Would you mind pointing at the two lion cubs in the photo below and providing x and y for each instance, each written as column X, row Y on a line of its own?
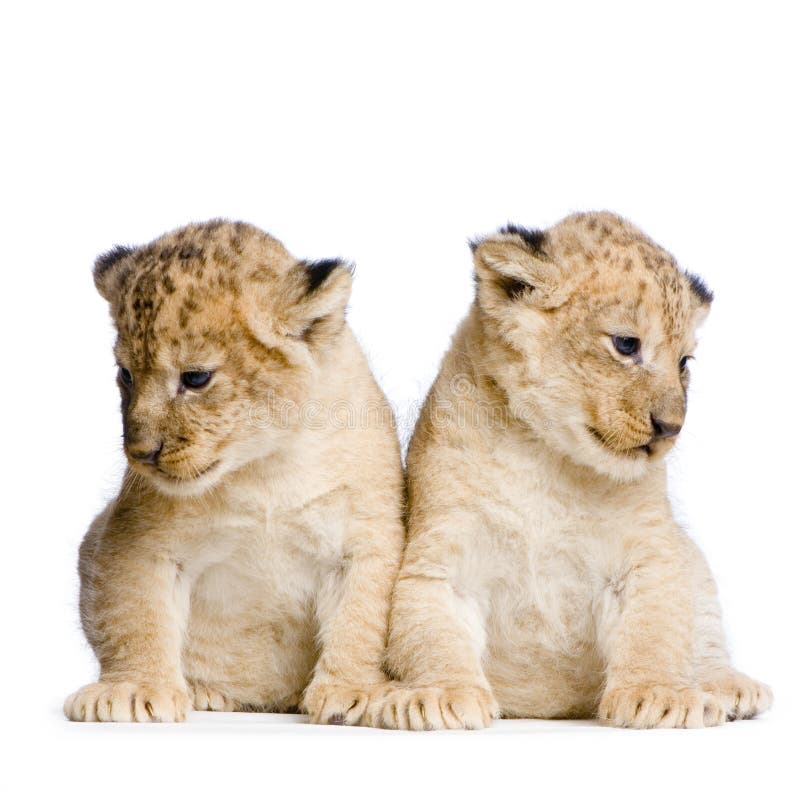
column 256, row 557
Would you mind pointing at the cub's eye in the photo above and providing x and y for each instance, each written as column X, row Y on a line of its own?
column 195, row 380
column 626, row 345
column 126, row 377
column 684, row 362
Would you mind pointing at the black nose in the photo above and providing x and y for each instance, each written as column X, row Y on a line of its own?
column 150, row 457
column 664, row 430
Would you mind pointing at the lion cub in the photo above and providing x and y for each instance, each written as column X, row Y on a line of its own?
column 544, row 574
column 248, row 560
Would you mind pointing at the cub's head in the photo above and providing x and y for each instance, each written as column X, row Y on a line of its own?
column 219, row 329
column 590, row 327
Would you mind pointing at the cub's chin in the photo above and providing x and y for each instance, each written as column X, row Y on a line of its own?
column 179, row 486
column 624, row 466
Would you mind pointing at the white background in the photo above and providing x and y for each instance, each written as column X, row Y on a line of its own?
column 390, row 134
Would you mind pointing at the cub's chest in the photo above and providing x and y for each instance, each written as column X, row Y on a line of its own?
column 532, row 523
column 552, row 554
column 282, row 548
column 309, row 529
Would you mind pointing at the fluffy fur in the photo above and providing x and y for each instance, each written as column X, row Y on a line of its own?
column 248, row 560
column 544, row 574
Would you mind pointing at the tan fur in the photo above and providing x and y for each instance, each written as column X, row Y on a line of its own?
column 251, row 566
column 544, row 574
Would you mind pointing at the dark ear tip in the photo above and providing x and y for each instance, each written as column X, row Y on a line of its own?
column 700, row 289
column 317, row 272
column 106, row 260
column 532, row 237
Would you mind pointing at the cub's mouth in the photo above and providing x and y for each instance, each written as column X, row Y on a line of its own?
column 624, row 452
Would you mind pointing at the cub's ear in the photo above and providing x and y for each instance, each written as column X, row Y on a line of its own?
column 325, row 286
column 512, row 266
column 702, row 298
column 107, row 269
column 308, row 302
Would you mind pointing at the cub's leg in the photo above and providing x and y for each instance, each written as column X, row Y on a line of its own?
column 134, row 605
column 352, row 614
column 436, row 642
column 648, row 644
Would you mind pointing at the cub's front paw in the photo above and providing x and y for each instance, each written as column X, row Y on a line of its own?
column 204, row 698
column 434, row 708
column 741, row 697
column 660, row 707
column 328, row 704
column 127, row 702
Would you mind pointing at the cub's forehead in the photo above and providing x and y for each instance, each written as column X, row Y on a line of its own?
column 155, row 327
column 179, row 292
column 620, row 271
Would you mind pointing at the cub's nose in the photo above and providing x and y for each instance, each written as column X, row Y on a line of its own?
column 145, row 456
column 664, row 430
